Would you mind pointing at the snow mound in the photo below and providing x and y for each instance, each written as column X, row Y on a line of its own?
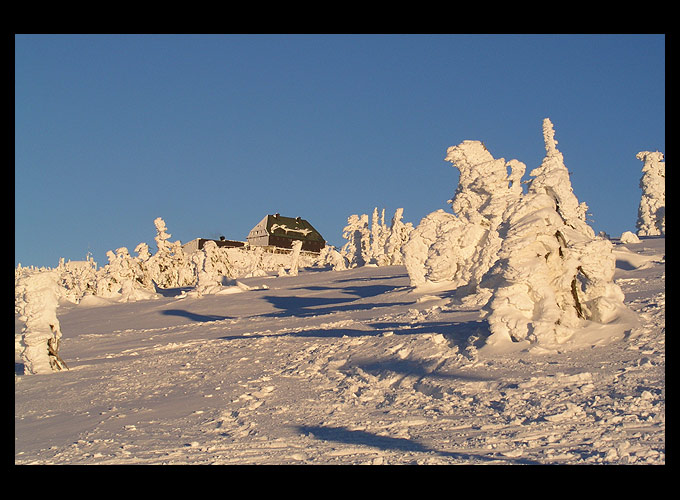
column 629, row 237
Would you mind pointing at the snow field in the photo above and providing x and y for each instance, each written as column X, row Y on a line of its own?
column 343, row 367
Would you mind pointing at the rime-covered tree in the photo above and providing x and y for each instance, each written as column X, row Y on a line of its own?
column 208, row 266
column 170, row 267
column 457, row 249
column 143, row 273
column 330, row 256
column 552, row 178
column 295, row 258
column 652, row 209
column 398, row 235
column 41, row 335
column 123, row 278
column 78, row 278
column 379, row 235
column 357, row 234
column 160, row 263
column 553, row 274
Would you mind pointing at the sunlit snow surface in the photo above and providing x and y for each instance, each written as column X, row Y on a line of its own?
column 344, row 367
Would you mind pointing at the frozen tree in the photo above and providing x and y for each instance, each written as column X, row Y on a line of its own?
column 552, row 178
column 41, row 335
column 78, row 278
column 256, row 263
column 170, row 266
column 208, row 266
column 379, row 234
column 123, row 278
column 142, row 266
column 161, row 264
column 108, row 284
column 125, row 274
column 357, row 248
column 457, row 249
column 398, row 235
column 330, row 256
column 652, row 210
column 378, row 244
column 553, row 274
column 183, row 272
column 295, row 258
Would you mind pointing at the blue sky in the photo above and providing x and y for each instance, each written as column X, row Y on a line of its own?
column 213, row 132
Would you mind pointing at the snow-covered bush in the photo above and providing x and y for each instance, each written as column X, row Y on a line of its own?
column 652, row 210
column 458, row 249
column 41, row 336
column 553, row 274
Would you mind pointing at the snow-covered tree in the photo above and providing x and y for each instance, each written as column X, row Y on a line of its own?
column 208, row 265
column 143, row 273
column 553, row 274
column 125, row 273
column 123, row 278
column 183, row 272
column 357, row 234
column 295, row 258
column 379, row 235
column 41, row 335
column 457, row 249
column 398, row 235
column 330, row 256
column 652, row 210
column 552, row 177
column 108, row 283
column 78, row 278
column 170, row 266
column 161, row 264
column 256, row 263
column 378, row 244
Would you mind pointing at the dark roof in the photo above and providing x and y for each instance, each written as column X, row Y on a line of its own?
column 290, row 227
column 294, row 228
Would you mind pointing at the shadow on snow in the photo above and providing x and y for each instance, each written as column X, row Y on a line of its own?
column 386, row 443
column 200, row 318
column 456, row 334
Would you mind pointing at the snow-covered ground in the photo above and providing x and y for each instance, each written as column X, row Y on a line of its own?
column 344, row 367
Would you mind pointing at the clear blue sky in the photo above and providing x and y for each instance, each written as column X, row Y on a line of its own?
column 213, row 132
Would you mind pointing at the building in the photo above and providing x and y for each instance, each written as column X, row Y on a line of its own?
column 280, row 232
column 198, row 243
